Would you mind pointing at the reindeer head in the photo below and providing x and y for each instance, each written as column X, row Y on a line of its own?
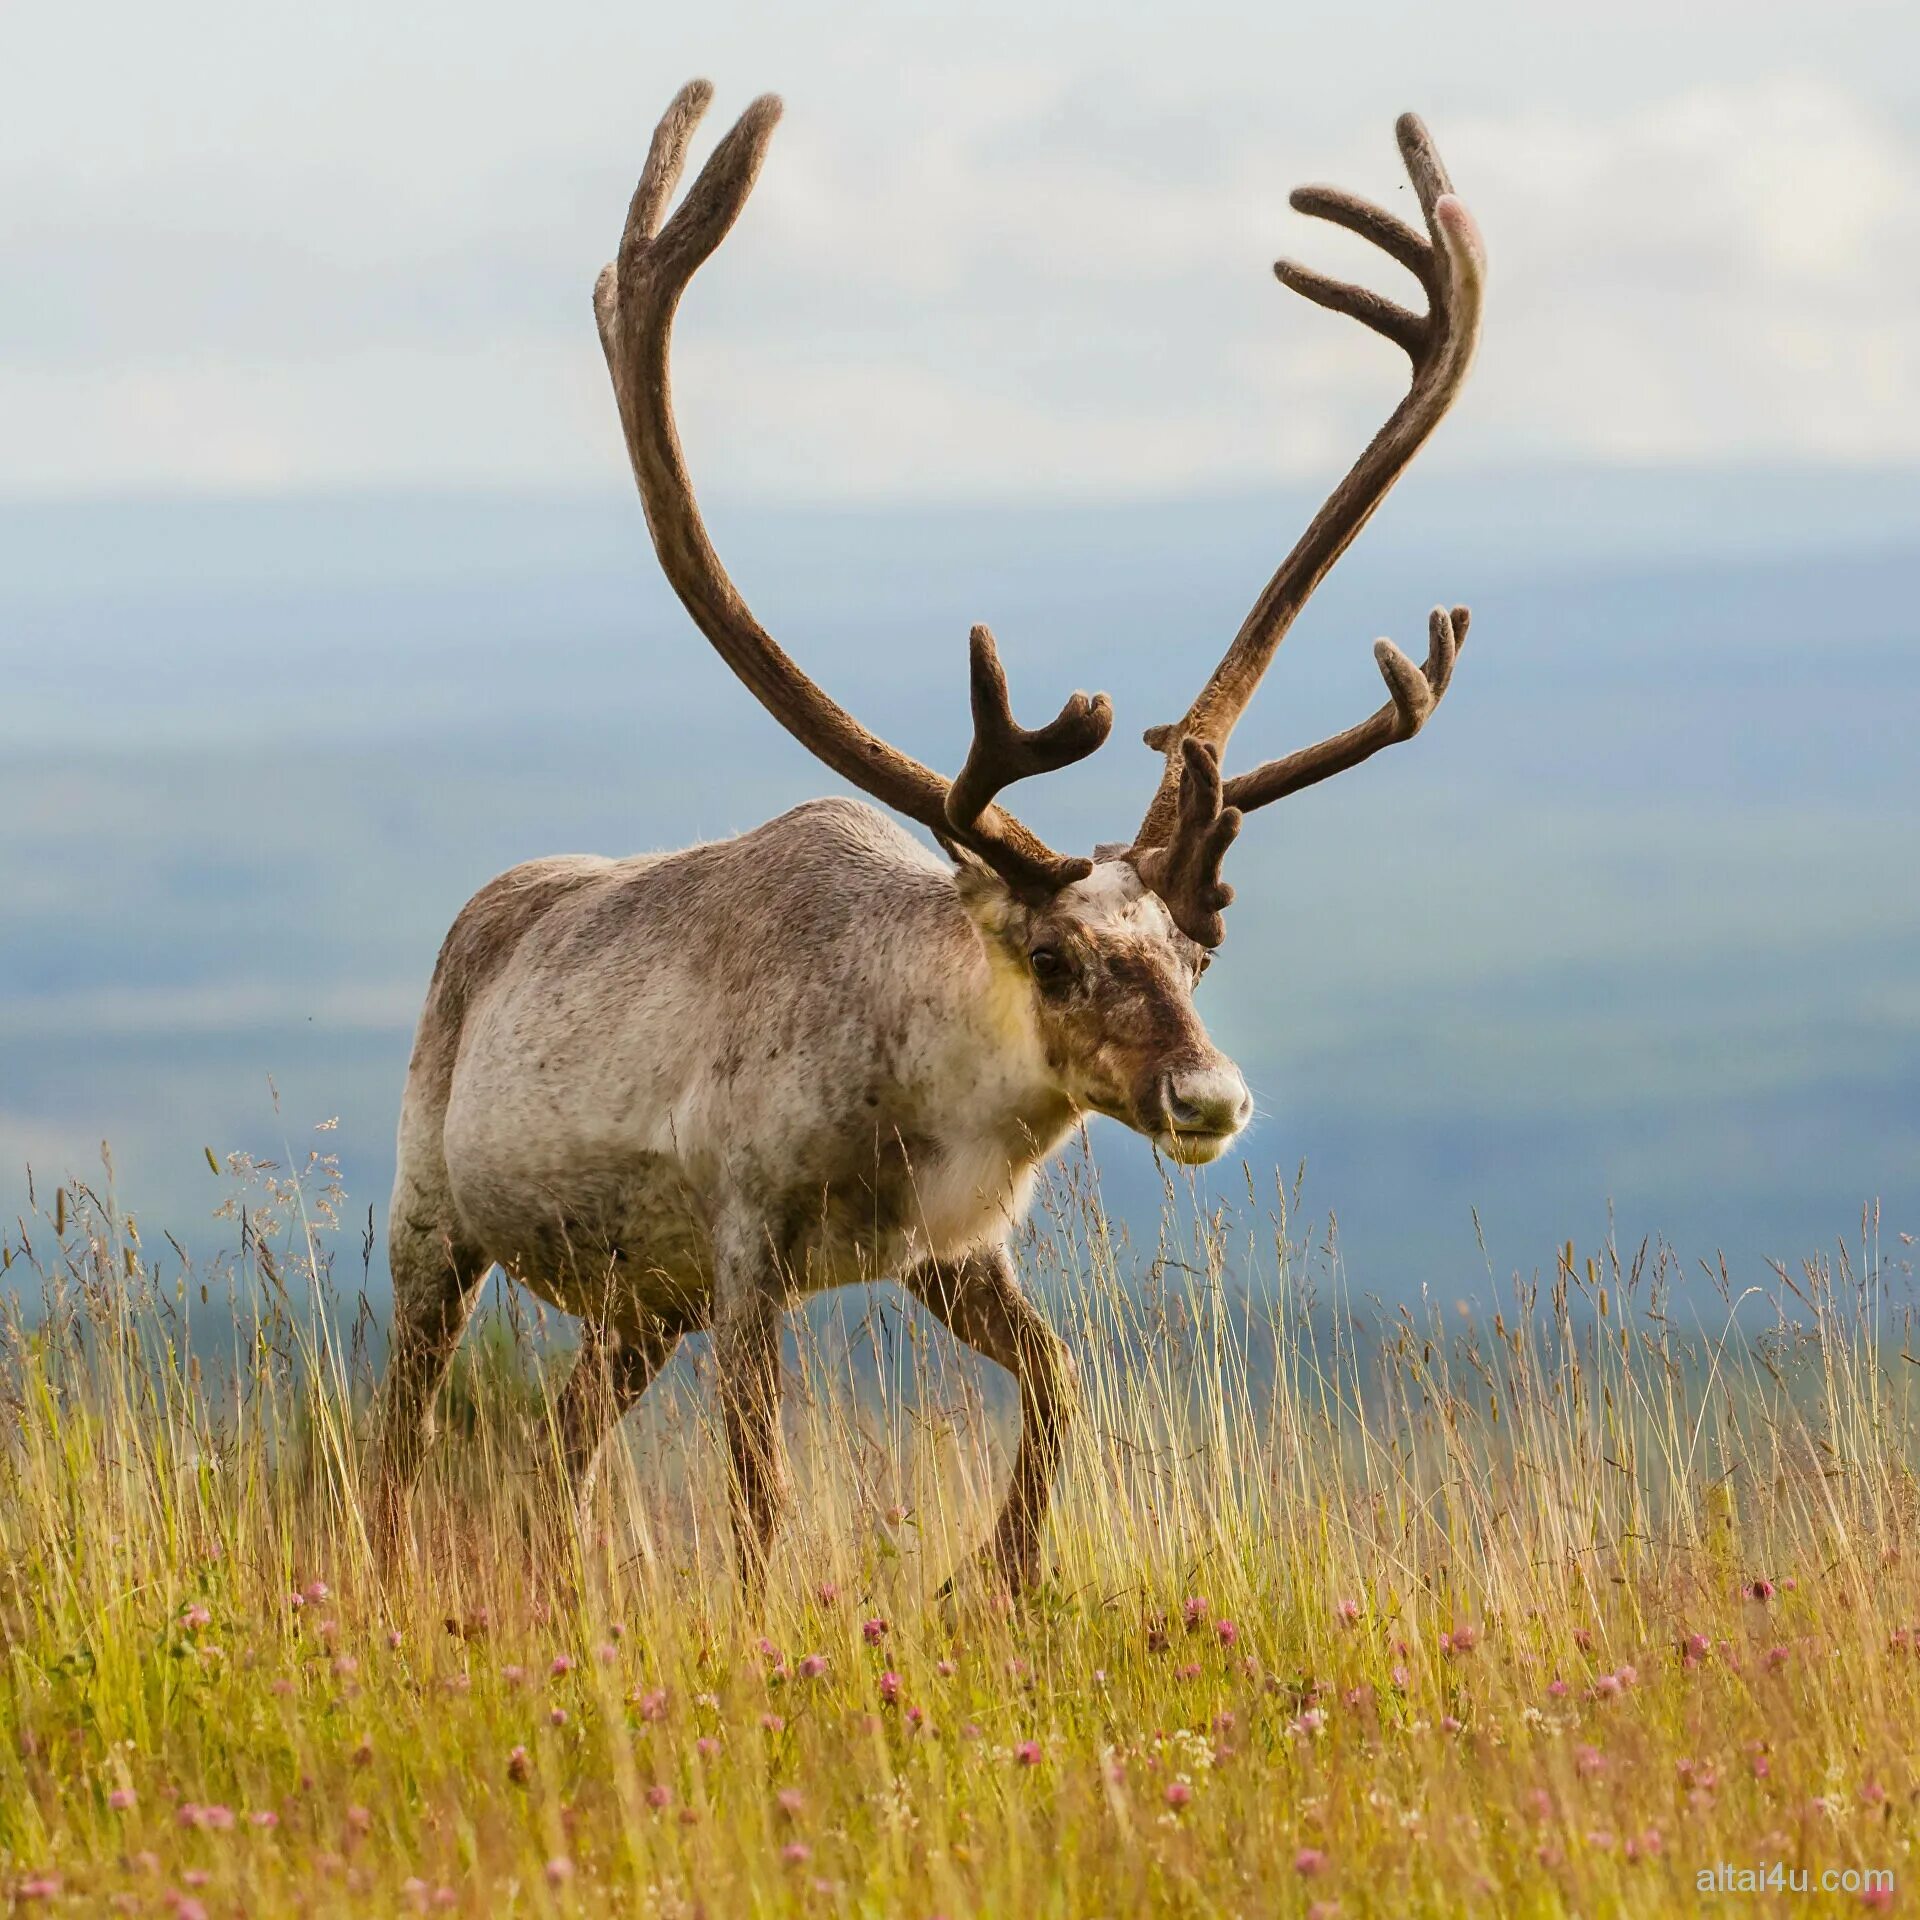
column 1111, row 948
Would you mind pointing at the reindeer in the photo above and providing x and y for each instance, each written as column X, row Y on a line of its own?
column 681, row 1090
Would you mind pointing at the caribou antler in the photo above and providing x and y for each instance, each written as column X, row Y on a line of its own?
column 1003, row 751
column 1449, row 261
column 1185, row 873
column 634, row 301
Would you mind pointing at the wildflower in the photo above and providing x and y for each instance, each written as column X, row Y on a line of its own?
column 519, row 1767
column 263, row 1817
column 1027, row 1753
column 706, row 1746
column 796, row 1853
column 874, row 1631
column 1762, row 1766
column 1777, row 1658
column 1589, row 1761
column 359, row 1819
column 393, row 1638
column 813, row 1666
column 773, row 1723
column 1191, row 1671
column 1309, row 1861
column 1583, row 1639
column 659, row 1796
column 1557, row 1688
column 1761, row 1590
column 513, row 1674
column 653, row 1704
column 945, row 1669
column 1311, row 1722
column 1600, row 1840
column 1193, row 1612
column 1698, row 1646
column 559, row 1870
column 562, row 1666
column 1348, row 1613
column 1227, row 1631
column 1178, row 1793
column 1399, row 1679
column 195, row 1617
column 345, row 1666
column 826, row 1593
column 916, row 1718
column 316, row 1592
column 605, row 1653
column 1463, row 1639
column 890, row 1688
column 39, row 1886
column 1448, row 1724
column 121, row 1799
column 295, row 1601
column 791, row 1801
column 186, row 1909
column 557, row 1716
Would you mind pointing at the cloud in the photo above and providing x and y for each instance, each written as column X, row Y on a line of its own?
column 992, row 278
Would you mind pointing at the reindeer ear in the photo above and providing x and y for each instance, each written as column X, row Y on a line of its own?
column 988, row 899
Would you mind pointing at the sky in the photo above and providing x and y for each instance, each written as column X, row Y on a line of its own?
column 1000, row 251
column 324, row 595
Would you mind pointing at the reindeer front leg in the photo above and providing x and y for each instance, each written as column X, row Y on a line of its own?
column 979, row 1300
column 747, row 1312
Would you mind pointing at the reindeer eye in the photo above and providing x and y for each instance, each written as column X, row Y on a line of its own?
column 1047, row 964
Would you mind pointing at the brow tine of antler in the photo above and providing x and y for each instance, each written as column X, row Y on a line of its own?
column 634, row 302
column 1185, row 873
column 1412, row 694
column 1451, row 263
column 1003, row 751
column 1386, row 230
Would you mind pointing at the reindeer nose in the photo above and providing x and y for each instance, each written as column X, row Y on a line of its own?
column 1210, row 1100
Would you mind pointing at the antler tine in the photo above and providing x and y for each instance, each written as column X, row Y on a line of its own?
column 1449, row 261
column 1003, row 751
column 1412, row 694
column 1185, row 873
column 635, row 300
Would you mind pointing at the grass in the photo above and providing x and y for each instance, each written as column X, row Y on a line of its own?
column 1349, row 1611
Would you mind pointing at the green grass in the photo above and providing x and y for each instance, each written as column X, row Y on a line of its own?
column 1348, row 1611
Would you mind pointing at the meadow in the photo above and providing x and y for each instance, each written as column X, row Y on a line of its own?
column 1350, row 1609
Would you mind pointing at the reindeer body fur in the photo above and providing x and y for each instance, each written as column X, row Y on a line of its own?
column 802, row 1023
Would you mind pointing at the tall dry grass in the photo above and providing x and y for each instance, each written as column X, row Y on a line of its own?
column 1553, row 1610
